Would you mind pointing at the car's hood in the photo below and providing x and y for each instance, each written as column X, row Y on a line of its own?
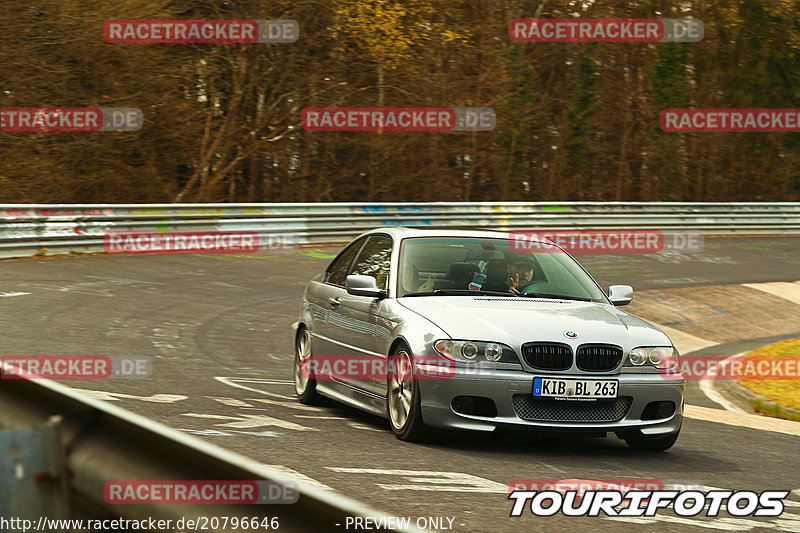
column 515, row 321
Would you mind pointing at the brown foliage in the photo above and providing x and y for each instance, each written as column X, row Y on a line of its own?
column 575, row 121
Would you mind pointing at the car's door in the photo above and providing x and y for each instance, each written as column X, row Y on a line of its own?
column 323, row 299
column 356, row 329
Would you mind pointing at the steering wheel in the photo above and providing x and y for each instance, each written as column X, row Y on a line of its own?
column 528, row 287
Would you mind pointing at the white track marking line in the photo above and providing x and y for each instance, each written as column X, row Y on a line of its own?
column 296, row 406
column 322, row 417
column 431, row 480
column 357, row 425
column 684, row 342
column 348, row 421
column 207, row 432
column 116, row 396
column 707, row 386
column 295, row 473
column 289, row 405
column 230, row 433
column 251, row 421
column 746, row 420
column 782, row 289
column 231, row 383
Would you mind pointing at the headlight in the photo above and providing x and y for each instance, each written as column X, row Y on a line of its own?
column 469, row 351
column 638, row 356
column 493, row 351
column 476, row 351
column 658, row 356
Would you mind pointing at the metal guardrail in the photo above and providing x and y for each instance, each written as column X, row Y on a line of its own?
column 95, row 442
column 31, row 229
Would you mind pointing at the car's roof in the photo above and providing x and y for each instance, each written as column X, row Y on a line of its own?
column 402, row 232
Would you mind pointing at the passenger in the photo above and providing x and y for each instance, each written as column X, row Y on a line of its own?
column 411, row 281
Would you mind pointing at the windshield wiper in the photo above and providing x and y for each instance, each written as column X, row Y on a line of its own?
column 461, row 292
column 557, row 297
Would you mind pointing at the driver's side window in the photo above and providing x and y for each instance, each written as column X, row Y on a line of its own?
column 375, row 260
column 338, row 269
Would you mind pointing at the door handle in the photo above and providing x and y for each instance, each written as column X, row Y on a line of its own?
column 334, row 302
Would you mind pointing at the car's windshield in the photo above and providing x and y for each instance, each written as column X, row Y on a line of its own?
column 462, row 265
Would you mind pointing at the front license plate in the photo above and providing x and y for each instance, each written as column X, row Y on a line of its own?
column 575, row 388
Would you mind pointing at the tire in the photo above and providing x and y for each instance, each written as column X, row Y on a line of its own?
column 657, row 444
column 305, row 386
column 403, row 398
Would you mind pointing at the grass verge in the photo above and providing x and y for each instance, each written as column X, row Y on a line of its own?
column 783, row 396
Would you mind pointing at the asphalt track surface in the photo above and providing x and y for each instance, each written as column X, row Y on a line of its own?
column 217, row 330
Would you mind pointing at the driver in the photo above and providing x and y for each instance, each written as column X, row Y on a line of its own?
column 520, row 273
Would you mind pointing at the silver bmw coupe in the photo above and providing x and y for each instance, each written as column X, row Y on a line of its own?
column 471, row 330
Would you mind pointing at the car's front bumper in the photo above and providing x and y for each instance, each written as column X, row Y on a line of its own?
column 512, row 394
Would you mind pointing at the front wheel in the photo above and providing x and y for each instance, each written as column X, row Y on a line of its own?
column 403, row 398
column 304, row 383
column 657, row 444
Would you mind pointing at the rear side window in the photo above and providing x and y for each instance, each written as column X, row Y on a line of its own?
column 375, row 260
column 338, row 269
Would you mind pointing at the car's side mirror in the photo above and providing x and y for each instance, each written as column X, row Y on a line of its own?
column 620, row 294
column 363, row 286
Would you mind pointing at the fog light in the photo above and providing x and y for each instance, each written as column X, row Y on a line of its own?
column 666, row 409
column 474, row 406
column 658, row 410
column 463, row 405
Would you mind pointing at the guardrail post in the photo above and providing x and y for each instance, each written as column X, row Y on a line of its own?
column 33, row 474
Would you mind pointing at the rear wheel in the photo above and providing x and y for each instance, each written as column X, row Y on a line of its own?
column 403, row 398
column 657, row 444
column 304, row 383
